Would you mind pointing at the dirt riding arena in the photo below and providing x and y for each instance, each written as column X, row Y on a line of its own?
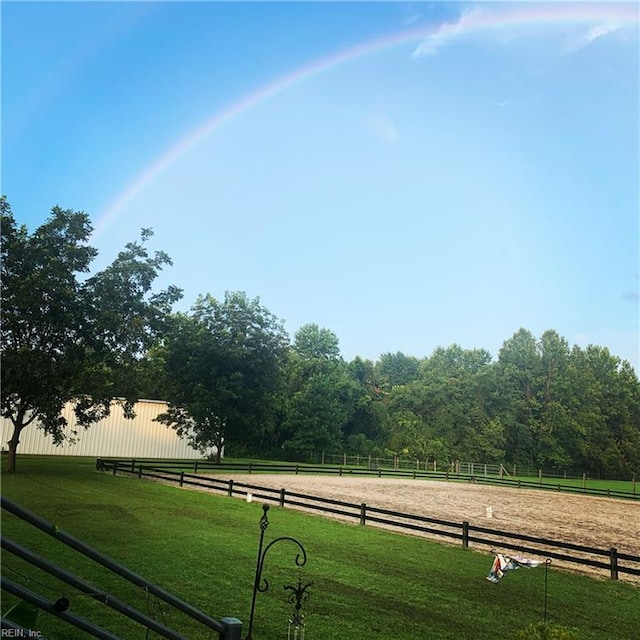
column 591, row 521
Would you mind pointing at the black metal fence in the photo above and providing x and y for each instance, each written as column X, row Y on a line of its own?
column 227, row 629
column 610, row 560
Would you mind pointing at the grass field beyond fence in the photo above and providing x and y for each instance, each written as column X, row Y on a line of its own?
column 368, row 583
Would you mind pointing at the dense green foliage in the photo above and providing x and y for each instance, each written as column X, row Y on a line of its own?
column 368, row 583
column 540, row 405
column 233, row 378
column 69, row 337
column 222, row 366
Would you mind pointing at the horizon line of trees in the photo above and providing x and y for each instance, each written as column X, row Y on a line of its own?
column 232, row 376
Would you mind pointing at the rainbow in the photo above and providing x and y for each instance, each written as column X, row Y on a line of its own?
column 600, row 18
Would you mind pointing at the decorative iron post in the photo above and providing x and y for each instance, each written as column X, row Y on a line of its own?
column 547, row 562
column 261, row 584
column 299, row 595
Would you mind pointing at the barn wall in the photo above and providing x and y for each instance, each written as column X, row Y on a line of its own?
column 113, row 436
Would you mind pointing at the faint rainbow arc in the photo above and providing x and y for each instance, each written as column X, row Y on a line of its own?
column 619, row 14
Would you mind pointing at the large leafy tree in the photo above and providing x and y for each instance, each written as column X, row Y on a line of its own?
column 322, row 396
column 363, row 432
column 223, row 367
column 396, row 369
column 518, row 373
column 67, row 337
column 442, row 414
column 606, row 410
column 315, row 343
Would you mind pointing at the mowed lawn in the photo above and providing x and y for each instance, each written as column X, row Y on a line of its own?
column 367, row 583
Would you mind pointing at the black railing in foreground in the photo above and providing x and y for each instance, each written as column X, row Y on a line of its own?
column 463, row 531
column 285, row 467
column 228, row 628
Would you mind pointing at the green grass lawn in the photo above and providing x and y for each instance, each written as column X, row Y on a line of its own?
column 368, row 583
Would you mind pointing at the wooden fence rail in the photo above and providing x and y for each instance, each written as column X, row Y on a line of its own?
column 255, row 467
column 611, row 559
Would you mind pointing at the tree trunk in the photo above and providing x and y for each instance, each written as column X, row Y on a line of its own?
column 13, row 447
column 219, row 445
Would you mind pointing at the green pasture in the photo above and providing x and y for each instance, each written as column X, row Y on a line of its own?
column 368, row 583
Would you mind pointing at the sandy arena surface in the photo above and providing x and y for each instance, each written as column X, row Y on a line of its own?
column 585, row 520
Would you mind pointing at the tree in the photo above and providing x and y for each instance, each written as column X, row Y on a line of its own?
column 442, row 414
column 518, row 374
column 364, row 429
column 65, row 339
column 606, row 410
column 557, row 433
column 223, row 364
column 318, row 411
column 322, row 395
column 312, row 342
column 397, row 368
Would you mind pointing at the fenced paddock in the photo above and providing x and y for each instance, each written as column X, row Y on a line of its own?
column 620, row 490
column 595, row 535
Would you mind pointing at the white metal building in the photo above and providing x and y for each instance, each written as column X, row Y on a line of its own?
column 114, row 436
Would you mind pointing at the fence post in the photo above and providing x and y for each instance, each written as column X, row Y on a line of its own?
column 230, row 489
column 232, row 629
column 115, row 466
column 282, row 492
column 249, row 467
column 181, row 478
column 540, row 476
column 139, row 472
column 465, row 534
column 195, row 467
column 344, row 457
column 133, row 465
column 379, row 472
column 613, row 554
column 363, row 513
column 297, row 469
column 584, row 482
column 340, row 471
column 322, row 459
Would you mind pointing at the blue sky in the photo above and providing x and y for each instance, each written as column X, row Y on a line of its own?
column 408, row 175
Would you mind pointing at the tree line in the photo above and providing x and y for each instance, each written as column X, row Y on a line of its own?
column 233, row 378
